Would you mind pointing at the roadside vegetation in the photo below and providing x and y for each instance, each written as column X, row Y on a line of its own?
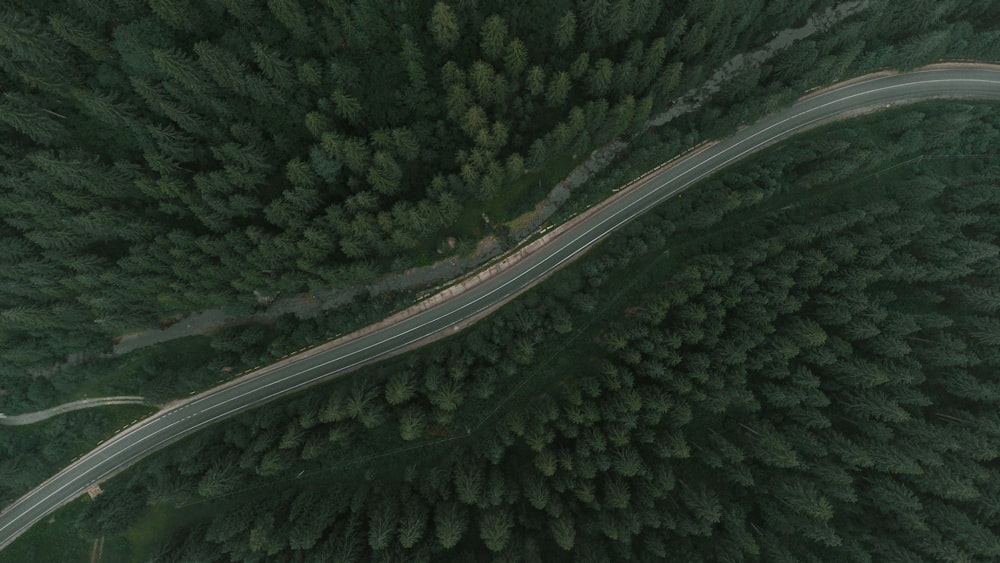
column 49, row 540
column 792, row 362
column 30, row 454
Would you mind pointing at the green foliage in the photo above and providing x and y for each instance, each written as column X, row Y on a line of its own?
column 565, row 30
column 726, row 411
column 494, row 529
column 450, row 523
column 558, row 89
column 444, row 25
column 171, row 156
column 111, row 512
column 493, row 35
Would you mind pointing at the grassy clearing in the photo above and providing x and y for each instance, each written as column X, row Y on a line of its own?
column 515, row 199
column 524, row 194
column 160, row 521
column 53, row 539
column 56, row 539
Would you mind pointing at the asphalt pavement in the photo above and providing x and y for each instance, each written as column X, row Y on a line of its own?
column 186, row 417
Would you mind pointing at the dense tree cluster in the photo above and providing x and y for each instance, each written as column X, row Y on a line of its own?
column 821, row 387
column 166, row 156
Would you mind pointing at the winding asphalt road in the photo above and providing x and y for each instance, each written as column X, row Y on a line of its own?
column 186, row 417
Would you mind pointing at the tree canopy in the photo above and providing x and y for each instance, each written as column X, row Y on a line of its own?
column 807, row 383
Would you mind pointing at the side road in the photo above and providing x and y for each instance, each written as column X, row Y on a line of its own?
column 33, row 417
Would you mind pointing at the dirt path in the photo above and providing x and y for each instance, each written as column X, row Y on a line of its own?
column 33, row 417
column 96, row 550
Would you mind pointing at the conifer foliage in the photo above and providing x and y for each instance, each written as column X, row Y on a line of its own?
column 166, row 156
column 811, row 385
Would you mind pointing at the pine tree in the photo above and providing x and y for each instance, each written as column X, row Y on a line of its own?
column 412, row 523
column 483, row 79
column 400, row 388
column 444, row 25
column 27, row 40
column 107, row 109
column 601, row 77
column 382, row 523
column 411, row 423
column 413, row 59
column 178, row 13
column 558, row 90
column 450, row 523
column 181, row 68
column 535, row 80
column 299, row 173
column 219, row 480
column 468, row 483
column 493, row 35
column 595, row 17
column 384, row 174
column 652, row 62
column 703, row 503
column 495, row 527
column 619, row 21
column 246, row 12
column 28, row 120
column 291, row 14
column 348, row 106
column 405, row 143
column 515, row 57
column 76, row 34
column 274, row 66
column 565, row 30
column 563, row 532
column 694, row 42
column 352, row 151
column 474, row 121
column 222, row 66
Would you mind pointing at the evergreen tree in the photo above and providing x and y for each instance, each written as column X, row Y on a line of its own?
column 565, row 30
column 494, row 528
column 450, row 523
column 291, row 14
column 37, row 125
column 78, row 35
column 444, row 25
column 535, row 80
column 494, row 37
column 558, row 90
column 515, row 57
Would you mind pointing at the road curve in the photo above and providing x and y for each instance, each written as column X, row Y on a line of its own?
column 186, row 417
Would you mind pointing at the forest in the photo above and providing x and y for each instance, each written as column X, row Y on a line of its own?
column 815, row 381
column 161, row 159
column 793, row 362
column 166, row 156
